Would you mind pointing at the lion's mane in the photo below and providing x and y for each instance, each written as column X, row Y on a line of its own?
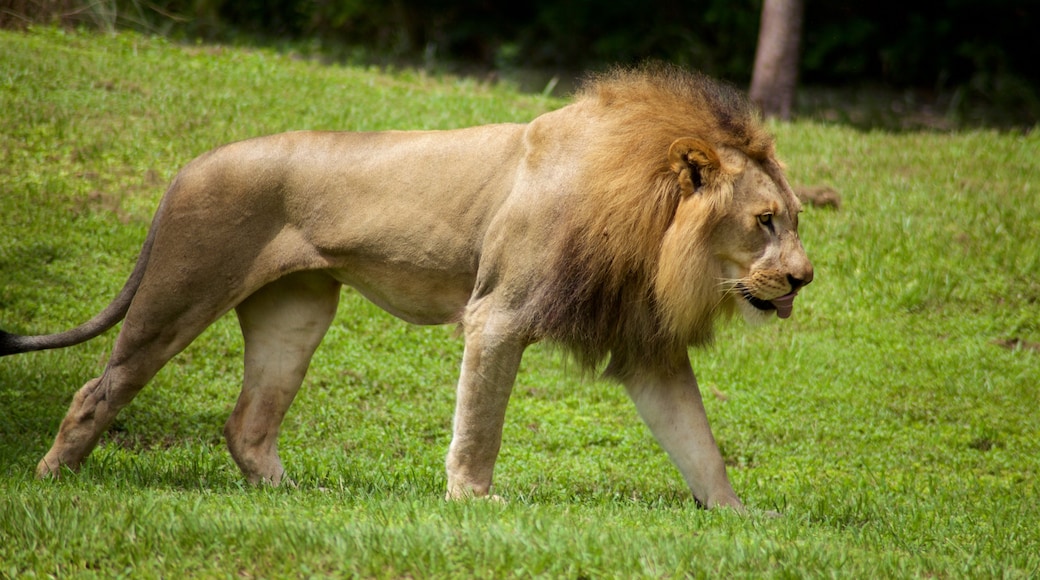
column 614, row 286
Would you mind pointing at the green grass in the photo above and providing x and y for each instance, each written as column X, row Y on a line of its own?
column 883, row 420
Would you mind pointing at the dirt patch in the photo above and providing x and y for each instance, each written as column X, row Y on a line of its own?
column 1016, row 343
column 819, row 196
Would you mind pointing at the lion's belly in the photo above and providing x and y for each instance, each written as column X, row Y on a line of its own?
column 421, row 272
column 413, row 294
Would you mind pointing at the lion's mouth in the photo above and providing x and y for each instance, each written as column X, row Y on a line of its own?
column 783, row 305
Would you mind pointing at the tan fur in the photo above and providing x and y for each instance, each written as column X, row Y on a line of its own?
column 621, row 225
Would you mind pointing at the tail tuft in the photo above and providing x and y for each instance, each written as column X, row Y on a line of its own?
column 11, row 343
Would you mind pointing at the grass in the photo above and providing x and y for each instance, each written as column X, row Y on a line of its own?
column 885, row 419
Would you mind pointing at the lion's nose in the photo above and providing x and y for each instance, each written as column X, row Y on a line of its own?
column 797, row 282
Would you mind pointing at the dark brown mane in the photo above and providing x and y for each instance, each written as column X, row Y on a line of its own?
column 598, row 297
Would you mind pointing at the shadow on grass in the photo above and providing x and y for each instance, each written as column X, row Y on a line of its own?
column 35, row 392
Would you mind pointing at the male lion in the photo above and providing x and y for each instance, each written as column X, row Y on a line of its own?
column 621, row 225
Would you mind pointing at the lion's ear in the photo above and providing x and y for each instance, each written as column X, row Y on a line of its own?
column 695, row 162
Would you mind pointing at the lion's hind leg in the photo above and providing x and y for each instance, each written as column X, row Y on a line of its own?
column 282, row 324
column 153, row 332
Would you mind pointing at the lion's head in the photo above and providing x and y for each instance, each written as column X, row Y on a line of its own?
column 684, row 215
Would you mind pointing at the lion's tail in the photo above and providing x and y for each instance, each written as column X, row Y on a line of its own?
column 107, row 318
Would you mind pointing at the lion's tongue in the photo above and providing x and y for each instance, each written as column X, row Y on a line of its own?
column 784, row 304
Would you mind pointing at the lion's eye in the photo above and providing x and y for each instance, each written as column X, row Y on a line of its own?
column 766, row 219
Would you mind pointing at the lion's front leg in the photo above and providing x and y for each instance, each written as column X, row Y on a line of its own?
column 489, row 367
column 670, row 404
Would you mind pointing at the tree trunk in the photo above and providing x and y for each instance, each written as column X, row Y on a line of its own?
column 775, row 77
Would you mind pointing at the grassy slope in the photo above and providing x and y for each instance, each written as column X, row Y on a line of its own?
column 882, row 419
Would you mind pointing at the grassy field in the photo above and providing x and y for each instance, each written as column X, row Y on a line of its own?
column 894, row 420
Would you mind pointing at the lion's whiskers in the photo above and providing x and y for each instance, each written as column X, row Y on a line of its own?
column 728, row 286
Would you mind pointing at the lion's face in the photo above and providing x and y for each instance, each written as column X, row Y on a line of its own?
column 733, row 243
column 761, row 256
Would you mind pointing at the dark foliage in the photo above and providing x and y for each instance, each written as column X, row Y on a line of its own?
column 935, row 44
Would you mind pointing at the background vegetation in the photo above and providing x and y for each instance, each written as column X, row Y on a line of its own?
column 893, row 420
column 952, row 52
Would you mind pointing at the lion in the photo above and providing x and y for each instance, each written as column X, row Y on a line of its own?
column 620, row 226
